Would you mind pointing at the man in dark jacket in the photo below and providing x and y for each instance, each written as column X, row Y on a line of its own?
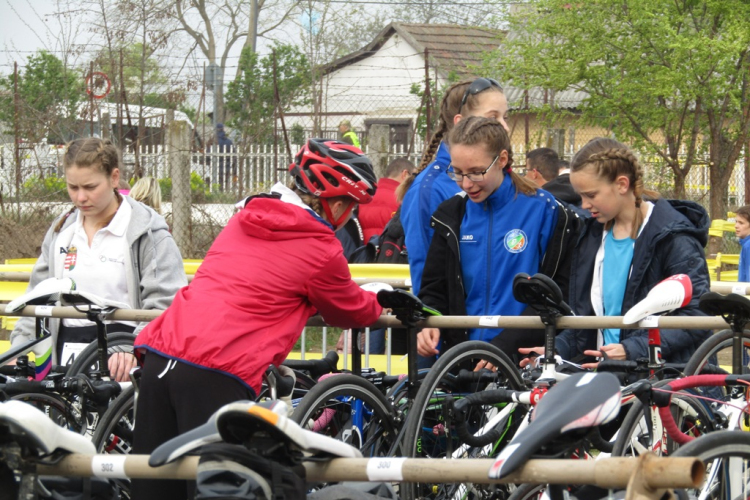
column 543, row 168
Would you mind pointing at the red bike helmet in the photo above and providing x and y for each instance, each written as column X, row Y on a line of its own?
column 326, row 168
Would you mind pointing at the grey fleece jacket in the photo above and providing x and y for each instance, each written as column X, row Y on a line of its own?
column 154, row 267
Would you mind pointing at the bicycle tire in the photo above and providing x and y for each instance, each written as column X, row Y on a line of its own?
column 88, row 360
column 421, row 439
column 322, row 407
column 114, row 431
column 716, row 343
column 691, row 416
column 713, row 449
column 57, row 408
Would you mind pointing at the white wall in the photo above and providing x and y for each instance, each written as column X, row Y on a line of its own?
column 375, row 87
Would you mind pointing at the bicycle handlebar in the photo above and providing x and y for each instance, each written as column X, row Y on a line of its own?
column 494, row 396
column 100, row 391
column 315, row 367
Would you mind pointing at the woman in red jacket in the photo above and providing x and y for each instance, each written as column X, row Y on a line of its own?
column 275, row 264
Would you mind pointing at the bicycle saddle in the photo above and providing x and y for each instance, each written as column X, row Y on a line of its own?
column 63, row 290
column 238, row 422
column 733, row 306
column 669, row 294
column 29, row 426
column 406, row 306
column 541, row 293
column 189, row 441
column 239, row 425
column 580, row 401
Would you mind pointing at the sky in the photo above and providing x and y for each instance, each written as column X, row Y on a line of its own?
column 26, row 26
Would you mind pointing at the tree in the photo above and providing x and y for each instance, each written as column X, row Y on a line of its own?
column 47, row 99
column 251, row 97
column 465, row 12
column 670, row 77
column 215, row 26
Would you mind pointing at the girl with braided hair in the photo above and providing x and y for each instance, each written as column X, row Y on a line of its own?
column 633, row 240
column 428, row 187
column 500, row 225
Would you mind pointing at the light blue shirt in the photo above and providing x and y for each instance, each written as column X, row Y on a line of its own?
column 618, row 256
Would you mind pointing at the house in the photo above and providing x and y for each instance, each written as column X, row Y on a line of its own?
column 373, row 85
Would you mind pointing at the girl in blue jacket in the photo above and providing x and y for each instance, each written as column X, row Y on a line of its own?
column 630, row 243
column 499, row 225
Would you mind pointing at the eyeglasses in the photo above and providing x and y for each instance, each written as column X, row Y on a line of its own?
column 477, row 86
column 473, row 176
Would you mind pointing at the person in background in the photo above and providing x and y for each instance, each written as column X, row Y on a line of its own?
column 123, row 187
column 633, row 240
column 274, row 265
column 111, row 246
column 147, row 191
column 499, row 226
column 543, row 169
column 742, row 228
column 227, row 161
column 348, row 135
column 374, row 216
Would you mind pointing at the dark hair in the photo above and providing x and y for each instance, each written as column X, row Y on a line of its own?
column 545, row 161
column 397, row 166
column 611, row 159
column 92, row 152
column 449, row 108
column 478, row 130
column 744, row 212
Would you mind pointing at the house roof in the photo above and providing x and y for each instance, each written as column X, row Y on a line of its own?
column 452, row 48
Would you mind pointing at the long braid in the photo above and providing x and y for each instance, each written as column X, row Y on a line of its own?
column 448, row 110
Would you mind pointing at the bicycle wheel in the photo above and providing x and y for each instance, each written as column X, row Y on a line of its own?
column 691, row 415
column 351, row 409
column 114, row 433
column 428, row 430
column 60, row 410
column 726, row 455
column 88, row 359
column 718, row 349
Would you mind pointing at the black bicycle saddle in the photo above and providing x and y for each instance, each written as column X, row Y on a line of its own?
column 580, row 401
column 541, row 293
column 732, row 307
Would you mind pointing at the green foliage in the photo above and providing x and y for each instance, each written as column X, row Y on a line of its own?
column 48, row 98
column 670, row 78
column 200, row 192
column 436, row 95
column 251, row 97
column 297, row 134
column 48, row 188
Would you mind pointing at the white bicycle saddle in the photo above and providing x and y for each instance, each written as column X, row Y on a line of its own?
column 669, row 294
column 32, row 426
column 234, row 422
column 63, row 290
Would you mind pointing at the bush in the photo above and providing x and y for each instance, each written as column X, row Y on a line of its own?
column 48, row 189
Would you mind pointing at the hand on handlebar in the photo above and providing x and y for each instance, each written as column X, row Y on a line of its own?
column 120, row 364
column 427, row 341
column 611, row 351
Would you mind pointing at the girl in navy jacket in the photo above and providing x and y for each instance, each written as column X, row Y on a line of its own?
column 628, row 246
